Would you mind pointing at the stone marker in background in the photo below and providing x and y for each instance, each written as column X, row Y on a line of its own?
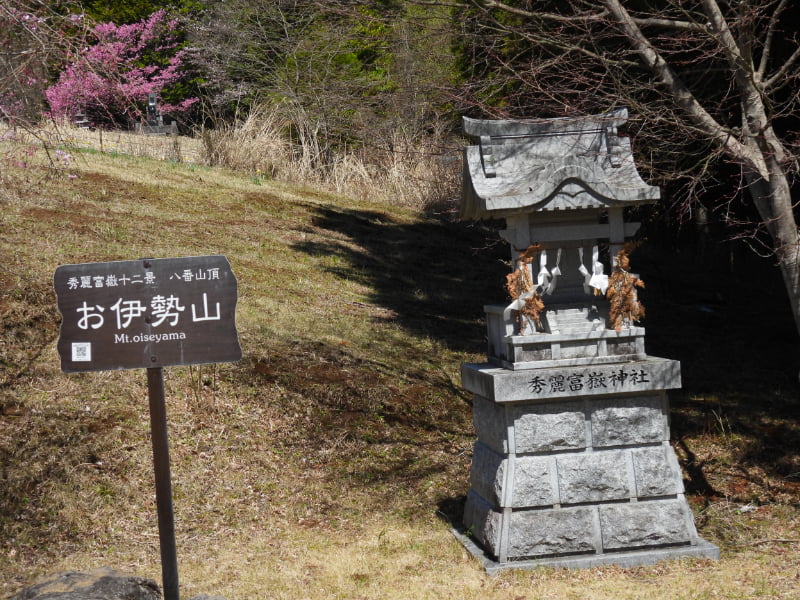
column 573, row 465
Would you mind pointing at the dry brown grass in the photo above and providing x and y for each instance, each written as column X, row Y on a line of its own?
column 420, row 171
column 328, row 461
column 417, row 170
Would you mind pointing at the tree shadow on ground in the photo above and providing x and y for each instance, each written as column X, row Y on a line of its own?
column 732, row 330
column 393, row 434
column 434, row 276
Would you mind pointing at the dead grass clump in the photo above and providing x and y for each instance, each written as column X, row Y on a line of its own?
column 253, row 145
column 419, row 170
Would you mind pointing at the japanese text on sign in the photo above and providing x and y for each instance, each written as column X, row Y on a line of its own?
column 84, row 282
column 159, row 310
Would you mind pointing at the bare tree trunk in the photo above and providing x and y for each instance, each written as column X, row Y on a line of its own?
column 773, row 200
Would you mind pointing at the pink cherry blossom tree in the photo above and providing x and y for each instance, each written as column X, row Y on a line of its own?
column 110, row 80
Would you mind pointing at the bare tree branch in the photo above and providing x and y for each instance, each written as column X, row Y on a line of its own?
column 740, row 66
column 670, row 24
column 678, row 89
column 688, row 69
column 783, row 72
column 544, row 16
column 766, row 53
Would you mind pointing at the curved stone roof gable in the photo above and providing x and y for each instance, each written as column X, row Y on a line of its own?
column 558, row 164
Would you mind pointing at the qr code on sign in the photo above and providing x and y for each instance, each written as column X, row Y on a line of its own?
column 81, row 352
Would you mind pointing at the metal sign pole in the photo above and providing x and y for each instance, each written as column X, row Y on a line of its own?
column 166, row 518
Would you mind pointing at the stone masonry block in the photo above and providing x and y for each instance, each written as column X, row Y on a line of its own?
column 548, row 427
column 657, row 472
column 629, row 421
column 598, row 477
column 530, row 486
column 533, row 483
column 642, row 524
column 487, row 473
column 490, row 423
column 551, row 532
column 483, row 522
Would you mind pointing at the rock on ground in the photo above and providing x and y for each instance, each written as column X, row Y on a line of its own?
column 101, row 584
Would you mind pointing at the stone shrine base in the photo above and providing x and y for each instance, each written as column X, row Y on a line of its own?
column 625, row 559
column 573, row 467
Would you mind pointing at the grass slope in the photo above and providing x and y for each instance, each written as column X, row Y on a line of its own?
column 328, row 462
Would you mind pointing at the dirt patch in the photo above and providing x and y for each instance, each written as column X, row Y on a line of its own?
column 334, row 379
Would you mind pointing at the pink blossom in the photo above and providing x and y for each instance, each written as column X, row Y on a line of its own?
column 110, row 80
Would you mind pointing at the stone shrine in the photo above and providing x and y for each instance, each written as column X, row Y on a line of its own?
column 572, row 466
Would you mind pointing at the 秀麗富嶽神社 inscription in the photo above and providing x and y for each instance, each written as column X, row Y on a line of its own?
column 506, row 385
column 590, row 380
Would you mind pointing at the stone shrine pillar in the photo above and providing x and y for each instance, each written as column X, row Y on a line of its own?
column 572, row 466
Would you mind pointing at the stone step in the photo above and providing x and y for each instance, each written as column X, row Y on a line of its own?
column 572, row 320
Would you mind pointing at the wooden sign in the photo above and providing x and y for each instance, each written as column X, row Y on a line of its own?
column 147, row 313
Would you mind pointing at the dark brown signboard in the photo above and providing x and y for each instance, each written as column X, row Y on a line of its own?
column 147, row 313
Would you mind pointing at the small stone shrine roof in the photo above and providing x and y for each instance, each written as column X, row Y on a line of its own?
column 549, row 165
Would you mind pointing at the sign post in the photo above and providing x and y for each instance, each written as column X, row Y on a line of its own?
column 148, row 314
column 166, row 516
